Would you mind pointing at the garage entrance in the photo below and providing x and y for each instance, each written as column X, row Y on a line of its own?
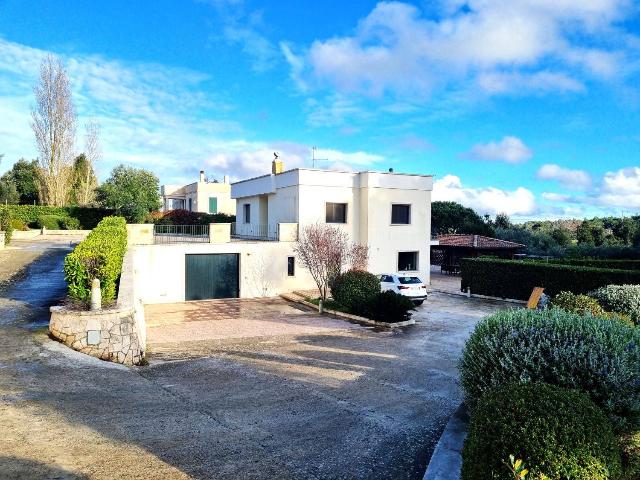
column 214, row 275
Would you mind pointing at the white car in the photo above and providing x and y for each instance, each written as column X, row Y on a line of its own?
column 406, row 285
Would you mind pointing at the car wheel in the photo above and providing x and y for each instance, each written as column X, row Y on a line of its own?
column 418, row 302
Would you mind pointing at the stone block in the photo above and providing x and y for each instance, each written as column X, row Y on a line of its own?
column 93, row 337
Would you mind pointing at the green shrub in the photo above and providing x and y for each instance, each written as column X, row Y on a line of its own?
column 18, row 224
column 69, row 223
column 596, row 263
column 98, row 256
column 389, row 307
column 631, row 455
column 29, row 214
column 623, row 299
column 50, row 222
column 355, row 289
column 557, row 432
column 516, row 279
column 582, row 304
column 598, row 356
column 5, row 226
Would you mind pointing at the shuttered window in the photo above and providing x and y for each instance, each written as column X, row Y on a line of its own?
column 400, row 214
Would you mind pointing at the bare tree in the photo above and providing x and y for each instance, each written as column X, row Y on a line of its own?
column 54, row 126
column 325, row 250
column 85, row 181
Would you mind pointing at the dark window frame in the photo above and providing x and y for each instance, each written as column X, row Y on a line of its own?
column 408, row 214
column 291, row 266
column 416, row 259
column 246, row 212
column 333, row 205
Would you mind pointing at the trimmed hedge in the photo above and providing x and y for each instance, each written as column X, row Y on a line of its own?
column 88, row 217
column 595, row 263
column 554, row 431
column 597, row 356
column 98, row 256
column 355, row 289
column 516, row 279
column 185, row 217
column 50, row 222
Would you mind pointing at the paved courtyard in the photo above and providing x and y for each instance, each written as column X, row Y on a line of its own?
column 346, row 402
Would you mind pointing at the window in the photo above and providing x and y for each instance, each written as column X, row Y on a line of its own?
column 400, row 214
column 191, row 205
column 386, row 279
column 291, row 266
column 407, row 261
column 247, row 212
column 213, row 205
column 336, row 213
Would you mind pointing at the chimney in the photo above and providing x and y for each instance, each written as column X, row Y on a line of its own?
column 277, row 166
column 201, row 176
column 225, row 179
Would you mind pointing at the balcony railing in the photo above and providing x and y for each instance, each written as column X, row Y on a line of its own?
column 249, row 231
column 181, row 234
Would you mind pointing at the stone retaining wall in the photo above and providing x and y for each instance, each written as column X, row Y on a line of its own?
column 114, row 334
column 106, row 334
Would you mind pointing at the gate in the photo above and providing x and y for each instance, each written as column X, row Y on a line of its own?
column 212, row 275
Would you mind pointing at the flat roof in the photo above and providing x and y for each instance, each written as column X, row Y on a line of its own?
column 331, row 171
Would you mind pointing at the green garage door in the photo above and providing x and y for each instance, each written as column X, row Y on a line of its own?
column 211, row 276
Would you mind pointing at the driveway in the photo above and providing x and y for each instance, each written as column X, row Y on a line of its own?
column 336, row 403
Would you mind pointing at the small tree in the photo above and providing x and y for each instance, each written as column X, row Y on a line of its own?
column 324, row 250
column 84, row 175
column 131, row 192
column 54, row 126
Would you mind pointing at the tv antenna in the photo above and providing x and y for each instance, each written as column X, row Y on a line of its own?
column 314, row 159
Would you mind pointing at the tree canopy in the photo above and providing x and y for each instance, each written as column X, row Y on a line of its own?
column 24, row 176
column 132, row 192
column 451, row 217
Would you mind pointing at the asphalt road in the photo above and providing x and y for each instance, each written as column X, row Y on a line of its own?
column 346, row 404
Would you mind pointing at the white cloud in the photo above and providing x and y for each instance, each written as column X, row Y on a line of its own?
column 502, row 45
column 555, row 197
column 621, row 188
column 151, row 116
column 509, row 149
column 568, row 178
column 488, row 200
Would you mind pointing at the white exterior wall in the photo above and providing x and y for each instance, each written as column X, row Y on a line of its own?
column 199, row 194
column 160, row 269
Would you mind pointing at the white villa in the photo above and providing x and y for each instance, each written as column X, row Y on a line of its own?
column 201, row 196
column 389, row 212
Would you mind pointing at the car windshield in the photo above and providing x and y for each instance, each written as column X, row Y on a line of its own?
column 405, row 280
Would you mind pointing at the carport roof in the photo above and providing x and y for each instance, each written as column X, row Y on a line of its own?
column 476, row 241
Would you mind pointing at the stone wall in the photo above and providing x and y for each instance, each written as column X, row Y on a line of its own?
column 115, row 334
column 106, row 334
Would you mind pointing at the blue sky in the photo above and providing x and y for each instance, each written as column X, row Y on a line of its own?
column 531, row 107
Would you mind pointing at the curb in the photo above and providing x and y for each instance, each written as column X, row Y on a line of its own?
column 346, row 316
column 476, row 295
column 446, row 461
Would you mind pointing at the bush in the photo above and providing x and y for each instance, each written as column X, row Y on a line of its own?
column 631, row 455
column 50, row 222
column 598, row 356
column 623, row 299
column 185, row 217
column 18, row 224
column 389, row 307
column 516, row 279
column 5, row 226
column 29, row 214
column 69, row 223
column 581, row 304
column 355, row 289
column 556, row 432
column 98, row 256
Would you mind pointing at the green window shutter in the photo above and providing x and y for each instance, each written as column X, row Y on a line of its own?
column 213, row 205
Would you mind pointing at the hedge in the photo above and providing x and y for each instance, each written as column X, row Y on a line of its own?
column 98, row 256
column 516, row 279
column 555, row 432
column 355, row 289
column 595, row 263
column 88, row 217
column 597, row 356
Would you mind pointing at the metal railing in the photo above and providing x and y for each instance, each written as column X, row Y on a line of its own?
column 181, row 234
column 249, row 231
